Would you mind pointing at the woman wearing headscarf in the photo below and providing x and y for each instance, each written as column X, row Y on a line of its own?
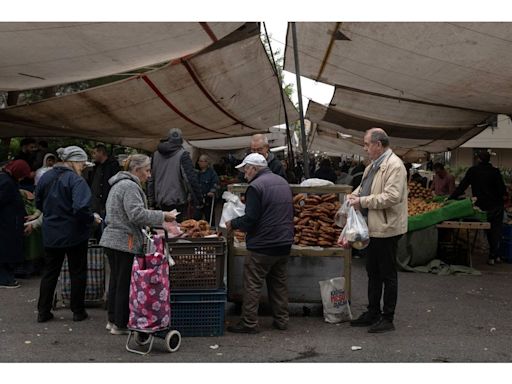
column 127, row 214
column 64, row 198
column 12, row 218
column 49, row 161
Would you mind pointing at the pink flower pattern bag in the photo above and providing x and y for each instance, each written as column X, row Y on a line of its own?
column 150, row 308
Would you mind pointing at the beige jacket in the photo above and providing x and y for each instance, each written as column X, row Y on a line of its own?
column 387, row 203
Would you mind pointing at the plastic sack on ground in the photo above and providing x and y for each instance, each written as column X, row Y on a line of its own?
column 149, row 290
column 355, row 234
column 315, row 183
column 334, row 300
column 232, row 208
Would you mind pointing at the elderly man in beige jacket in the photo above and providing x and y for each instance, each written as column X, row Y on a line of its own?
column 382, row 198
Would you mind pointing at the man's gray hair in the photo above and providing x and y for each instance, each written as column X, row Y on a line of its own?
column 260, row 137
column 136, row 161
column 378, row 134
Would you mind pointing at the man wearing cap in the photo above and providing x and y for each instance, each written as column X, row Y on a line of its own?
column 268, row 223
column 489, row 189
column 173, row 183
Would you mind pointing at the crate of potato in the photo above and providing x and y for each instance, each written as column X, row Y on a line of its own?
column 417, row 206
column 314, row 219
column 418, row 191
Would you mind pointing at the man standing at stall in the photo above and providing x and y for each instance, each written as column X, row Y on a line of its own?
column 382, row 198
column 489, row 189
column 268, row 222
column 259, row 144
column 443, row 183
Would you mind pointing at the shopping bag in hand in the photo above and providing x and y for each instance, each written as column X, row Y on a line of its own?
column 355, row 234
column 232, row 209
column 149, row 290
column 340, row 219
column 334, row 300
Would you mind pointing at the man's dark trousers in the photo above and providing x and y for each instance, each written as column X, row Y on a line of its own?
column 272, row 269
column 381, row 269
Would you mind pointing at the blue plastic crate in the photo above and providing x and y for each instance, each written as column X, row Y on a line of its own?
column 507, row 231
column 506, row 250
column 198, row 313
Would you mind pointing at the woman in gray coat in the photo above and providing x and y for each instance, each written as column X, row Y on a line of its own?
column 122, row 238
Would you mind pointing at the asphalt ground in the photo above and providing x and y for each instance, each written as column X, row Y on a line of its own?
column 461, row 318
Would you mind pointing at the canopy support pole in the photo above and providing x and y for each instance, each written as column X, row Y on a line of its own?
column 301, row 108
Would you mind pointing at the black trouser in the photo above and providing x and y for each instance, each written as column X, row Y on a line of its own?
column 381, row 269
column 495, row 233
column 183, row 209
column 119, row 286
column 77, row 262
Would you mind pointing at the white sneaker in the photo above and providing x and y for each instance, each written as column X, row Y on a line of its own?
column 109, row 326
column 118, row 331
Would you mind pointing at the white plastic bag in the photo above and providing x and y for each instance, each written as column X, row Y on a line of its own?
column 232, row 208
column 355, row 234
column 340, row 219
column 334, row 300
column 315, row 183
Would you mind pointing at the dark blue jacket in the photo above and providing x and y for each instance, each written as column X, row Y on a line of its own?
column 268, row 219
column 12, row 217
column 209, row 181
column 65, row 200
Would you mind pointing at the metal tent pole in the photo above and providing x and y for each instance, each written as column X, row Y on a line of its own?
column 301, row 109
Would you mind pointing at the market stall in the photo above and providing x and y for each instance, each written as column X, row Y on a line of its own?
column 309, row 261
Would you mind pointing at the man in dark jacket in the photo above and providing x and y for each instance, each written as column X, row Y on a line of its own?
column 489, row 189
column 268, row 222
column 28, row 150
column 174, row 183
column 105, row 167
column 12, row 217
column 259, row 144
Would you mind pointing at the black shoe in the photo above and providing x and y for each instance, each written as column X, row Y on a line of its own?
column 281, row 327
column 241, row 328
column 43, row 317
column 365, row 320
column 79, row 316
column 384, row 325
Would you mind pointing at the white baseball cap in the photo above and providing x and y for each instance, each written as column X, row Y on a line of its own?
column 253, row 159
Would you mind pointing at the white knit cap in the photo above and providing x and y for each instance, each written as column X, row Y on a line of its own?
column 72, row 153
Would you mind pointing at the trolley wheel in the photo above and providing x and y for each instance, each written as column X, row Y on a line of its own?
column 173, row 341
column 142, row 338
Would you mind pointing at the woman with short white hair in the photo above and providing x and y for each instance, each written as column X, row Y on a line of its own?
column 127, row 213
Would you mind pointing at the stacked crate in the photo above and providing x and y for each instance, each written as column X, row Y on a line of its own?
column 198, row 295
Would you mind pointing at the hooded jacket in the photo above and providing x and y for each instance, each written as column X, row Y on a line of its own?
column 127, row 214
column 65, row 200
column 173, row 177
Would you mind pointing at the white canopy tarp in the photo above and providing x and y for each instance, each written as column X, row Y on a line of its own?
column 36, row 55
column 227, row 90
column 434, row 83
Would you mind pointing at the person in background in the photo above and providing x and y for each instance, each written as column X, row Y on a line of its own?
column 268, row 223
column 325, row 171
column 174, row 183
column 443, row 183
column 48, row 162
column 259, row 144
column 64, row 198
column 104, row 168
column 28, row 150
column 382, row 199
column 489, row 189
column 12, row 218
column 209, row 181
column 41, row 153
column 357, row 174
column 342, row 177
column 290, row 174
column 127, row 215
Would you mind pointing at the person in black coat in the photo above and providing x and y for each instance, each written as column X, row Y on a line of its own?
column 12, row 218
column 489, row 189
column 325, row 171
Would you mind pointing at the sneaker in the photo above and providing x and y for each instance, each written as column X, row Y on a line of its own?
column 109, row 326
column 241, row 328
column 115, row 330
column 281, row 327
column 497, row 260
column 11, row 285
column 365, row 320
column 490, row 261
column 43, row 317
column 80, row 316
column 383, row 325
